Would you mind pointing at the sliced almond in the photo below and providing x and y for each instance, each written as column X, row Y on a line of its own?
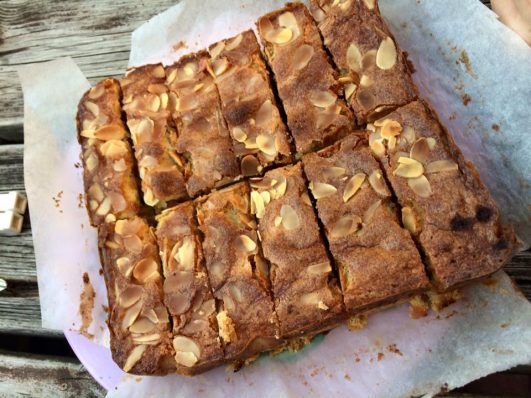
column 186, row 344
column 366, row 81
column 133, row 244
column 431, row 143
column 246, row 243
column 409, row 134
column 277, row 221
column 377, row 147
column 158, row 72
column 288, row 20
column 319, row 268
column 420, row 150
column 134, row 356
column 96, row 92
column 238, row 134
column 421, row 186
column 217, row 49
column 345, row 226
column 354, row 57
column 322, row 190
column 119, row 166
column 110, row 218
column 302, row 56
column 264, row 115
column 142, row 325
column 257, row 204
column 390, row 128
column 105, row 207
column 312, row 298
column 409, row 220
column 131, row 315
column 250, row 166
column 95, row 192
column 164, row 100
column 92, row 108
column 219, row 66
column 91, row 162
column 353, row 185
column 369, row 3
column 440, row 166
column 124, row 265
column 185, row 358
column 129, row 296
column 290, row 218
column 279, row 36
column 322, row 99
column 118, row 201
column 266, row 196
column 408, row 168
column 378, row 184
column 266, row 143
column 386, row 54
column 350, row 88
column 114, row 149
column 232, row 44
column 333, row 172
column 185, row 254
column 150, row 339
column 366, row 98
column 368, row 60
column 146, row 270
column 149, row 198
column 369, row 213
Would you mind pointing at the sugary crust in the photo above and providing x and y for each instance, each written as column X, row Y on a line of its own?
column 248, row 103
column 203, row 137
column 237, row 272
column 359, row 22
column 138, row 320
column 458, row 225
column 376, row 258
column 307, row 84
column 111, row 191
column 306, row 296
column 187, row 292
column 147, row 105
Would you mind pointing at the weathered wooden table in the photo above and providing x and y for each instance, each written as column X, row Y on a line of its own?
column 38, row 362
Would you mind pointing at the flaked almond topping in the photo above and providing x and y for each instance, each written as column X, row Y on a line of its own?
column 238, row 134
column 232, row 44
column 353, row 185
column 288, row 20
column 409, row 220
column 127, row 227
column 150, row 339
column 114, row 149
column 386, row 54
column 366, row 98
column 119, row 165
column 158, row 72
column 306, row 199
column 142, row 325
column 164, row 100
column 322, row 306
column 333, row 172
column 185, row 254
column 153, row 103
column 171, row 77
column 217, row 49
column 146, row 270
column 421, row 186
column 370, row 211
column 409, row 134
column 420, row 150
column 124, row 265
column 279, row 36
column 149, row 198
column 377, row 183
column 319, row 268
column 390, row 128
column 185, row 358
column 354, row 58
column 369, row 3
column 290, row 218
column 91, row 162
column 322, row 190
column 279, row 187
column 92, row 108
column 266, row 143
column 219, row 66
column 266, row 196
column 368, row 60
column 322, row 99
column 366, row 81
column 350, row 88
column 110, row 218
column 141, row 129
column 186, row 103
column 302, row 56
column 431, row 142
column 312, row 298
column 190, row 69
column 133, row 244
column 250, row 166
column 96, row 92
column 96, row 192
column 246, row 243
column 257, row 204
column 345, row 226
column 440, row 166
column 105, row 133
column 157, row 88
column 93, row 204
column 277, row 221
column 264, row 114
column 408, row 168
column 131, row 314
column 184, row 345
column 118, row 201
column 318, row 14
column 105, row 207
column 129, row 296
column 134, row 356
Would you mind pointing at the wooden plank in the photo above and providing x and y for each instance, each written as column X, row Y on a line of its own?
column 11, row 167
column 43, row 376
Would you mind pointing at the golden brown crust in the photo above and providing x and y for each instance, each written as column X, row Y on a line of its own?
column 376, row 258
column 203, row 137
column 307, row 84
column 449, row 210
column 237, row 272
column 248, row 103
column 138, row 319
column 146, row 104
column 187, row 292
column 307, row 297
column 111, row 191
column 374, row 83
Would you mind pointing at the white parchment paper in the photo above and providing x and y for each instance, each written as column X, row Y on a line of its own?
column 489, row 331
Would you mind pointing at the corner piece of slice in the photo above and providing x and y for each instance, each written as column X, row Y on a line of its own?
column 111, row 191
column 444, row 203
column 146, row 104
column 203, row 137
column 238, row 274
column 138, row 320
column 377, row 260
column 187, row 292
column 306, row 81
column 248, row 104
column 373, row 69
column 307, row 298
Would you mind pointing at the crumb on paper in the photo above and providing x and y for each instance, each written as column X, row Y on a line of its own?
column 504, row 325
column 380, row 356
column 453, row 116
column 466, row 99
column 403, row 25
column 80, row 201
column 86, row 306
column 347, row 377
column 418, row 306
column 180, row 45
column 465, row 60
column 357, row 322
column 495, row 127
column 490, row 282
column 394, row 349
column 439, row 301
column 57, row 199
column 138, row 379
column 77, row 165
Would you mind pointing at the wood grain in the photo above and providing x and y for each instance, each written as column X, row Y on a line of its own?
column 38, row 376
